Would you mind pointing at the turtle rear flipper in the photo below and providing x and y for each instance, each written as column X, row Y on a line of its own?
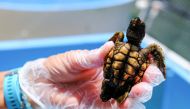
column 122, row 92
column 154, row 54
column 108, row 89
column 122, row 98
column 117, row 37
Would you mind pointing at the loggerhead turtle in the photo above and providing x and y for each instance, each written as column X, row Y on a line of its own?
column 125, row 64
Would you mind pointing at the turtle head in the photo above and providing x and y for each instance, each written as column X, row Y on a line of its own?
column 136, row 31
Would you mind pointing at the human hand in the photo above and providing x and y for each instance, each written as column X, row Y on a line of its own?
column 73, row 80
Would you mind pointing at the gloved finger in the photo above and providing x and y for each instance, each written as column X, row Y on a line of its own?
column 63, row 99
column 91, row 59
column 131, row 103
column 78, row 60
column 59, row 98
column 153, row 75
column 141, row 92
column 69, row 64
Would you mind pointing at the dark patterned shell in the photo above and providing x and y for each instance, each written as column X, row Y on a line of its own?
column 122, row 69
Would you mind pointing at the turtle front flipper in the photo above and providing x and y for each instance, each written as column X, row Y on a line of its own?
column 117, row 37
column 154, row 54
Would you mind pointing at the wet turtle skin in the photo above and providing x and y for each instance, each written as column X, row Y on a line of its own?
column 125, row 64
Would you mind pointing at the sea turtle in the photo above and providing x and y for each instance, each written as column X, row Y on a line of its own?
column 125, row 64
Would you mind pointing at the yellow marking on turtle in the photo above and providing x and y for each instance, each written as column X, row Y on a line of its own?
column 107, row 66
column 124, row 50
column 133, row 62
column 121, row 34
column 127, row 45
column 119, row 57
column 143, row 66
column 134, row 54
column 129, row 69
column 117, row 65
column 108, row 61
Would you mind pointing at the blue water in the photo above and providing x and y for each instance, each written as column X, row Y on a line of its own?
column 172, row 94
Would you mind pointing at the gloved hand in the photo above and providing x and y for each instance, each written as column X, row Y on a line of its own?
column 73, row 80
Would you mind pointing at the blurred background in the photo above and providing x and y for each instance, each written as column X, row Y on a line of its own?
column 168, row 21
column 30, row 29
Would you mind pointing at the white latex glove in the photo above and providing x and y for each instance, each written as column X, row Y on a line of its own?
column 73, row 80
